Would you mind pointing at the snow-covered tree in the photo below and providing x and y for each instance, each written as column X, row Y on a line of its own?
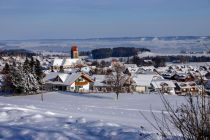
column 6, row 69
column 7, row 85
column 32, row 64
column 22, row 79
column 31, row 84
column 38, row 71
column 18, row 79
column 27, row 66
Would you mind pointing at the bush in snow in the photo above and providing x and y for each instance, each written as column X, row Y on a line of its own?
column 188, row 121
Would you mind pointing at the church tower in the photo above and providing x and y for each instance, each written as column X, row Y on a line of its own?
column 74, row 52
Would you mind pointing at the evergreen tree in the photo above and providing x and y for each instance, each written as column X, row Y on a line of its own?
column 32, row 64
column 26, row 66
column 6, row 69
column 18, row 79
column 21, row 80
column 30, row 83
column 7, row 84
column 38, row 71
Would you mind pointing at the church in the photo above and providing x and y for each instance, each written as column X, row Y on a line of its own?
column 59, row 64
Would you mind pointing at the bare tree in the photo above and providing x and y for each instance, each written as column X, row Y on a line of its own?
column 191, row 120
column 116, row 78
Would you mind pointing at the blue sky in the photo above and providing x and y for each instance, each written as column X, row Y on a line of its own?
column 37, row 19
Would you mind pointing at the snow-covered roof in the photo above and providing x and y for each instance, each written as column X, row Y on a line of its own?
column 70, row 70
column 133, row 69
column 67, row 62
column 168, row 74
column 130, row 65
column 186, row 84
column 161, row 69
column 146, row 70
column 148, row 67
column 64, row 62
column 66, row 79
column 143, row 79
column 85, row 69
column 181, row 75
column 63, row 76
column 57, row 62
column 99, row 79
column 159, row 83
column 202, row 72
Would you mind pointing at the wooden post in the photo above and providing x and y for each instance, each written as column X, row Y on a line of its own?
column 42, row 97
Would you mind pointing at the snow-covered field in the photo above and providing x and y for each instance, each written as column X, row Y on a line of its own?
column 79, row 116
column 163, row 45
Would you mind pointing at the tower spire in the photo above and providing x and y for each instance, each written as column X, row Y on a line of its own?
column 74, row 51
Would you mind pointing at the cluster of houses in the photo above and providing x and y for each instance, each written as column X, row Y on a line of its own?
column 172, row 79
column 76, row 75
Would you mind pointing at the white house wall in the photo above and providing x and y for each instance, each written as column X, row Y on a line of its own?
column 86, row 87
column 71, row 87
column 140, row 89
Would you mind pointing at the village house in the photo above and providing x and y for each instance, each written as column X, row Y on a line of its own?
column 185, row 88
column 74, row 82
column 199, row 76
column 183, row 77
column 104, row 83
column 163, row 86
column 168, row 75
column 86, row 69
column 99, row 84
column 161, row 70
column 143, row 82
column 146, row 70
column 131, row 68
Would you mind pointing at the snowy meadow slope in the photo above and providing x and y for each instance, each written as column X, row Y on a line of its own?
column 79, row 116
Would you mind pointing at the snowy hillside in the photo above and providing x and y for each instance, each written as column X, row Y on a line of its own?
column 79, row 116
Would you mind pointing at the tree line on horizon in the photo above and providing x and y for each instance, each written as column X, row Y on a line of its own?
column 16, row 52
column 116, row 52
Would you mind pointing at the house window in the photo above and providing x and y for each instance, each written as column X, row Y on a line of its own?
column 79, row 79
column 192, row 89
